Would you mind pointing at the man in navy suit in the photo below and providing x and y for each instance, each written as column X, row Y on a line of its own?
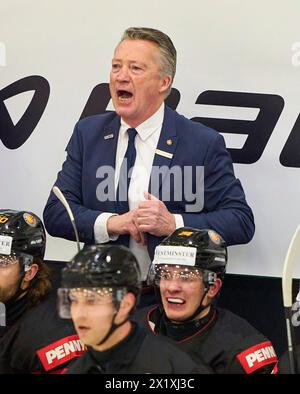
column 182, row 174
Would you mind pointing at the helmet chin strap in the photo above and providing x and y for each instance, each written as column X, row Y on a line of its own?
column 200, row 308
column 114, row 325
column 21, row 291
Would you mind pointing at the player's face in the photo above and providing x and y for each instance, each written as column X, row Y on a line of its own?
column 92, row 313
column 181, row 291
column 9, row 277
column 137, row 85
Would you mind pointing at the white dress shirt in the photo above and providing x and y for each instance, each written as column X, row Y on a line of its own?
column 146, row 142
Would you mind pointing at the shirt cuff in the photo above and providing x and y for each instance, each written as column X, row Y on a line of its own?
column 100, row 229
column 178, row 220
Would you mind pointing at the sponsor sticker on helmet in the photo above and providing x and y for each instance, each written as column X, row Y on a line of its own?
column 30, row 219
column 177, row 255
column 214, row 237
column 36, row 241
column 5, row 244
column 185, row 233
column 3, row 219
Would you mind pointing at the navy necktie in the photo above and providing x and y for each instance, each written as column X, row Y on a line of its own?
column 125, row 173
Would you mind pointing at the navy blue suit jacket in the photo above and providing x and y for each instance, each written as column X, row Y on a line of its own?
column 193, row 144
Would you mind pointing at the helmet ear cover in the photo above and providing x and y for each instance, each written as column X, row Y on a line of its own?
column 209, row 278
column 26, row 261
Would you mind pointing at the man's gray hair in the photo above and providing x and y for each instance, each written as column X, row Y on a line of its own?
column 166, row 47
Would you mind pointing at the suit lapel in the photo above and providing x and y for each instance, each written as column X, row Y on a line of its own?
column 110, row 141
column 108, row 154
column 164, row 152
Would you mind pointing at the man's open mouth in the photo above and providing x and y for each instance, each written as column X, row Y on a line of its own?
column 124, row 95
column 173, row 300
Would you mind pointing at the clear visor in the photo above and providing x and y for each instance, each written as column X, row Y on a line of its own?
column 86, row 297
column 14, row 258
column 169, row 272
column 6, row 261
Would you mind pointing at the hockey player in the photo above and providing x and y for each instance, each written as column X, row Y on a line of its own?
column 32, row 337
column 187, row 272
column 100, row 287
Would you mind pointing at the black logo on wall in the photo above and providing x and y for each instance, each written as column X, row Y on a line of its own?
column 258, row 131
column 14, row 136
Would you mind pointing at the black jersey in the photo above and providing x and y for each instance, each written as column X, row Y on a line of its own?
column 38, row 341
column 222, row 340
column 138, row 353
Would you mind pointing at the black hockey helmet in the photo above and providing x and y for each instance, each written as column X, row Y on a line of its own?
column 199, row 249
column 22, row 235
column 189, row 253
column 103, row 266
column 110, row 267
